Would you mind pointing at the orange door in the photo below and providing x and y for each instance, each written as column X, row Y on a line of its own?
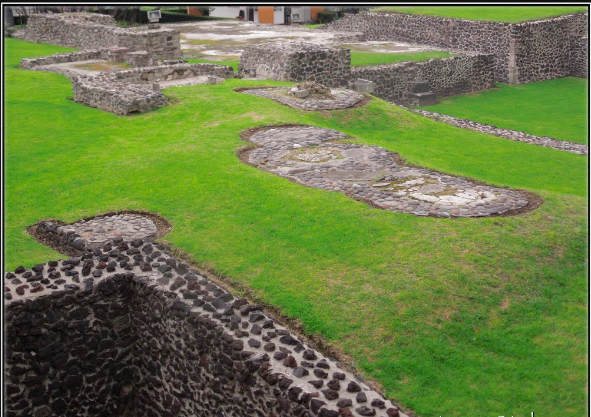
column 266, row 14
column 314, row 12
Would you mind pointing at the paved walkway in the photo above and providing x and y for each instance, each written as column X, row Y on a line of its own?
column 313, row 157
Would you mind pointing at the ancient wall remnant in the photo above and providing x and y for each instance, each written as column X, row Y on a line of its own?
column 297, row 61
column 129, row 330
column 132, row 91
column 447, row 77
column 92, row 31
column 543, row 47
column 465, row 73
column 579, row 58
column 524, row 52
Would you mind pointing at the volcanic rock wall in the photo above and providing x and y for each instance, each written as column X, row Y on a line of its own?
column 524, row 52
column 128, row 330
column 69, row 351
column 297, row 61
column 447, row 77
column 130, row 91
column 92, row 31
column 579, row 58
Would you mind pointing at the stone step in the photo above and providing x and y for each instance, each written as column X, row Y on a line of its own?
column 422, row 99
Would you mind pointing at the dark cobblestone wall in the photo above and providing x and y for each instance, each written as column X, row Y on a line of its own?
column 69, row 353
column 446, row 77
column 543, row 47
column 464, row 35
column 129, row 330
column 579, row 58
column 92, row 31
column 298, row 61
column 524, row 52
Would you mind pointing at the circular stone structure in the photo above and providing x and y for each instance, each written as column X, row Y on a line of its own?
column 342, row 99
column 100, row 229
column 313, row 156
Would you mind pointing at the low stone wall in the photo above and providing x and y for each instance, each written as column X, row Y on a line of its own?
column 116, row 97
column 579, row 58
column 169, row 72
column 129, row 330
column 92, row 31
column 524, row 52
column 86, row 55
column 297, row 61
column 447, row 77
column 130, row 91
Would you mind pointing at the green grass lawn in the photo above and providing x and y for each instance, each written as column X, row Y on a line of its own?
column 453, row 317
column 510, row 14
column 231, row 62
column 360, row 59
column 314, row 26
column 557, row 108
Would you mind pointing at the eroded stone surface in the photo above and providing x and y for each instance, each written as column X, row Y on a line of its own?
column 313, row 157
column 343, row 99
column 130, row 330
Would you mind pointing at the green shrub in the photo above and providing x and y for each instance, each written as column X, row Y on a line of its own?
column 327, row 17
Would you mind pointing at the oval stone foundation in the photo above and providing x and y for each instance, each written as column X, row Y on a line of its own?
column 317, row 157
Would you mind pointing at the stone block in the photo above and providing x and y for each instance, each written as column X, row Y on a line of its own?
column 364, row 86
column 422, row 99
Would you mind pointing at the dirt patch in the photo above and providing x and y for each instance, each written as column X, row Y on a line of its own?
column 103, row 66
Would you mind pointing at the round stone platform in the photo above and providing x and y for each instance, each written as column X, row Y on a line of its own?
column 313, row 157
column 101, row 229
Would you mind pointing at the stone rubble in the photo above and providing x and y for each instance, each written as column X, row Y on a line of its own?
column 514, row 135
column 313, row 156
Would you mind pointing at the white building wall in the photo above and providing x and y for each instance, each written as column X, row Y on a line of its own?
column 228, row 11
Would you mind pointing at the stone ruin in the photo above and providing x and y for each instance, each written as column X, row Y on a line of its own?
column 123, row 328
column 297, row 61
column 301, row 61
column 125, row 91
column 92, row 31
column 138, row 90
column 317, row 157
column 117, row 90
column 522, row 52
column 308, row 96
